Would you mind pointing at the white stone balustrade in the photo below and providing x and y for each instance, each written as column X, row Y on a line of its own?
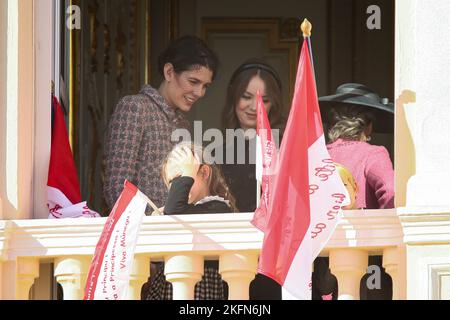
column 71, row 272
column 27, row 271
column 139, row 274
column 361, row 233
column 349, row 266
column 183, row 271
column 184, row 242
column 238, row 270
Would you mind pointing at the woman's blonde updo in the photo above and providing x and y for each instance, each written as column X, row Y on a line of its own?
column 348, row 123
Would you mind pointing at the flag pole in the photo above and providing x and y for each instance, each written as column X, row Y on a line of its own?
column 156, row 210
column 258, row 192
column 154, row 207
column 258, row 182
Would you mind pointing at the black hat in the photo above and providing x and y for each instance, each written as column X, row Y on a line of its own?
column 356, row 94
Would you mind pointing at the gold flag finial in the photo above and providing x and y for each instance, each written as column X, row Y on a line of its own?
column 306, row 28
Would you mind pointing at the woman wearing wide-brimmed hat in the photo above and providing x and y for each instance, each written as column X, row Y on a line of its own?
column 350, row 116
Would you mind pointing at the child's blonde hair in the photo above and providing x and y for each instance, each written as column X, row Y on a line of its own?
column 348, row 179
column 216, row 182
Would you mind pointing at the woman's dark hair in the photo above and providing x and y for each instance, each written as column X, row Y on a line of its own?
column 238, row 84
column 188, row 53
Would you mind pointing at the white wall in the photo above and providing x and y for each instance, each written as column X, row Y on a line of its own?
column 422, row 66
column 422, row 87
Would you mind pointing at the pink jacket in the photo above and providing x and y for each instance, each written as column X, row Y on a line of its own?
column 372, row 169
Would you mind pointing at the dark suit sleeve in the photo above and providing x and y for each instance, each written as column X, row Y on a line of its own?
column 177, row 200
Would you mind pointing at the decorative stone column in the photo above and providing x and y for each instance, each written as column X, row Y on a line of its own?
column 71, row 273
column 349, row 266
column 18, row 108
column 183, row 271
column 27, row 271
column 2, row 245
column 1, row 280
column 7, row 275
column 395, row 265
column 139, row 275
column 238, row 270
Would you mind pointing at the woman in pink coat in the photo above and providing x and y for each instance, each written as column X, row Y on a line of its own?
column 351, row 115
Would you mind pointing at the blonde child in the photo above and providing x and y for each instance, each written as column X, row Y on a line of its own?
column 324, row 283
column 195, row 186
column 350, row 184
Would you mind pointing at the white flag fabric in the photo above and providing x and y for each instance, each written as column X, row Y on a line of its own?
column 61, row 207
column 110, row 268
column 327, row 195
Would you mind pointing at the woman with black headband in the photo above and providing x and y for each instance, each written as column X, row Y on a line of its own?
column 240, row 113
column 240, row 107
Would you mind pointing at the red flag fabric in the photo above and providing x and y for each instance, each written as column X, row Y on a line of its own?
column 63, row 188
column 109, row 273
column 62, row 173
column 305, row 190
column 266, row 162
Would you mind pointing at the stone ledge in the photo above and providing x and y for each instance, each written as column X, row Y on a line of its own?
column 210, row 234
column 425, row 225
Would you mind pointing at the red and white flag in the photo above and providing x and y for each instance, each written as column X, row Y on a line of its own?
column 109, row 273
column 63, row 188
column 306, row 196
column 266, row 162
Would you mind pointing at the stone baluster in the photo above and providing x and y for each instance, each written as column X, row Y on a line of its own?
column 395, row 265
column 2, row 244
column 238, row 270
column 183, row 271
column 1, row 280
column 349, row 266
column 139, row 275
column 71, row 273
column 27, row 271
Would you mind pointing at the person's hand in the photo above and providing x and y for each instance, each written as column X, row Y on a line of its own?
column 158, row 212
column 187, row 162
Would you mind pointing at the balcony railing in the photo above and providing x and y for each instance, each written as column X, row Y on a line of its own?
column 184, row 242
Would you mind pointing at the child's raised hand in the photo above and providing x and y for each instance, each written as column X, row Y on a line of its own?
column 187, row 162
